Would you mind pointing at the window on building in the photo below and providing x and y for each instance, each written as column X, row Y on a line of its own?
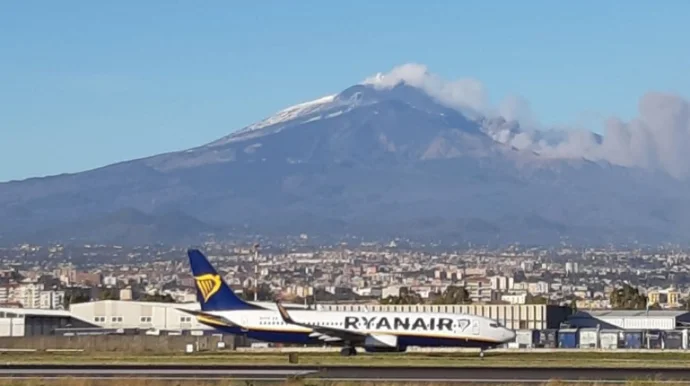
column 99, row 319
column 116, row 319
column 145, row 319
column 185, row 319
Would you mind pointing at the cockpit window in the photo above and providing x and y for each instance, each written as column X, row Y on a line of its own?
column 493, row 325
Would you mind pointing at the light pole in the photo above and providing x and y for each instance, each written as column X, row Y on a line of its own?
column 256, row 272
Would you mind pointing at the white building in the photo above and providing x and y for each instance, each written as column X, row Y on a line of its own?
column 52, row 300
column 6, row 293
column 572, row 267
column 389, row 291
column 138, row 315
column 502, row 283
column 29, row 295
column 33, row 296
column 539, row 288
column 631, row 319
column 515, row 298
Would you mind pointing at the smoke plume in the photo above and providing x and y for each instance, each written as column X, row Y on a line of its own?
column 658, row 138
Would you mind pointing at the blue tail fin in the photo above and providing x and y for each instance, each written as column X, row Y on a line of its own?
column 211, row 291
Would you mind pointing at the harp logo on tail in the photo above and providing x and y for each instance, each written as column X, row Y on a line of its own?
column 208, row 284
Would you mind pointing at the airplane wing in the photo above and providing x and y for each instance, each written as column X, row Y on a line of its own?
column 209, row 318
column 326, row 334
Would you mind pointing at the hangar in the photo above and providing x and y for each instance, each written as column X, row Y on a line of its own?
column 32, row 322
column 631, row 319
column 149, row 317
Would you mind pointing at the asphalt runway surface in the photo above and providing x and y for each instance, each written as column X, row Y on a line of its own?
column 348, row 373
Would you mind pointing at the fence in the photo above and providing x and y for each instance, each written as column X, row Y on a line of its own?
column 118, row 343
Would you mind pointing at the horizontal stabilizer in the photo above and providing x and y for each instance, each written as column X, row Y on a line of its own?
column 209, row 318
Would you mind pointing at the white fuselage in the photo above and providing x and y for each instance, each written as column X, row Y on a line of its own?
column 414, row 329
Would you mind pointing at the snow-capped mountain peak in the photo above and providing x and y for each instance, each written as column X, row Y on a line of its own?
column 299, row 113
column 291, row 112
column 322, row 108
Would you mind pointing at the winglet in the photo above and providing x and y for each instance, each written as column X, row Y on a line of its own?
column 284, row 314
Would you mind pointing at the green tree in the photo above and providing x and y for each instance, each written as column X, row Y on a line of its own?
column 453, row 295
column 75, row 297
column 158, row 298
column 628, row 297
column 531, row 299
column 685, row 304
column 109, row 294
column 264, row 294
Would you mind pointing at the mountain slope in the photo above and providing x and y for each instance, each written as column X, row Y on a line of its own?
column 367, row 161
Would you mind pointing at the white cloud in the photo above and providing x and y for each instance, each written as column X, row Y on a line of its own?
column 461, row 94
column 658, row 138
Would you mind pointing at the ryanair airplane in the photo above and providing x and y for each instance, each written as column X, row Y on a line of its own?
column 223, row 310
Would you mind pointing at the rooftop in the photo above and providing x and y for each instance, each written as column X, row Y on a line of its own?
column 20, row 312
column 632, row 313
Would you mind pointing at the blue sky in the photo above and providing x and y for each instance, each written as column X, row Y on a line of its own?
column 85, row 84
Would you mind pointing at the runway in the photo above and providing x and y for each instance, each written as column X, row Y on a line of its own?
column 348, row 373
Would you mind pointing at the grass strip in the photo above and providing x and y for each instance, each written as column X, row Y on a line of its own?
column 574, row 360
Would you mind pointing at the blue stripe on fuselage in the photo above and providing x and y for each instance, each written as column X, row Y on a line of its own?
column 304, row 338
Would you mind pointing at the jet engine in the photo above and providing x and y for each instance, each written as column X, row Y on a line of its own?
column 382, row 343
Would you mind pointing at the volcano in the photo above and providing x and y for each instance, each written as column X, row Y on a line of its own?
column 369, row 162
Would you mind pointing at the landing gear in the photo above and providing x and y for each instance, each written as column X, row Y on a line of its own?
column 348, row 351
column 481, row 353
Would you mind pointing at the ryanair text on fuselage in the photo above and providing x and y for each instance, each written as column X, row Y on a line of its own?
column 404, row 323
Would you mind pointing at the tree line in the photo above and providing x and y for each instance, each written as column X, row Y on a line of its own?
column 451, row 295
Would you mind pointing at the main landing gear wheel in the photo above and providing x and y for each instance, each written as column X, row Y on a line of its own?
column 348, row 351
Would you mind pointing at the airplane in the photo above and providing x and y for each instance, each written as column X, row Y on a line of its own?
column 223, row 310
